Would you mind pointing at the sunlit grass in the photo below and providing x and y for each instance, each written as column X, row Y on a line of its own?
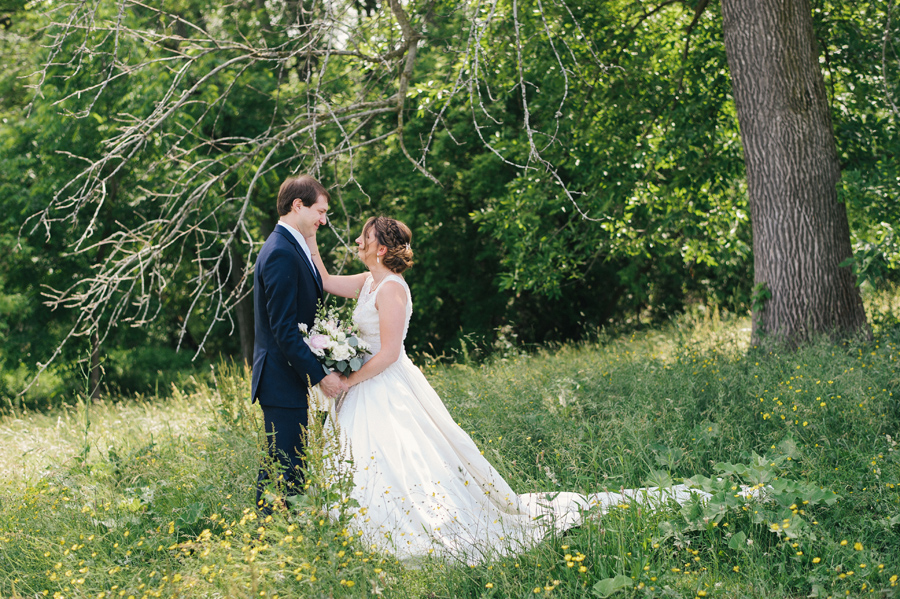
column 33, row 442
column 154, row 498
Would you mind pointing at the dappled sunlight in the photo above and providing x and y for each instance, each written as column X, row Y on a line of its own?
column 31, row 444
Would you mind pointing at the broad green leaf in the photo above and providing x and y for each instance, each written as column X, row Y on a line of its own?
column 608, row 586
column 738, row 541
column 659, row 478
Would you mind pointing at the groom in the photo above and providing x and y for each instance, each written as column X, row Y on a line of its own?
column 286, row 290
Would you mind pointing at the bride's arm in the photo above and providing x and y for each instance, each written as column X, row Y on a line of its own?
column 391, row 305
column 342, row 285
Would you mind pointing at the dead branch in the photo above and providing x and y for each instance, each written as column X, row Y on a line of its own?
column 197, row 189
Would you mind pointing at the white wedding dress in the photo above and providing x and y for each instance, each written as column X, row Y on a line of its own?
column 422, row 485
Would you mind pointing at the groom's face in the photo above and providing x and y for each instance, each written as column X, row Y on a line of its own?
column 310, row 218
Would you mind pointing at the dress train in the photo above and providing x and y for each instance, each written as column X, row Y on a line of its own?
column 422, row 486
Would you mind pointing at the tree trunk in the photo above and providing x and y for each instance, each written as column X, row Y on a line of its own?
column 94, row 376
column 800, row 230
column 243, row 309
column 95, row 373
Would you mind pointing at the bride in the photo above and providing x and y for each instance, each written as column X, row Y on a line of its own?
column 422, row 485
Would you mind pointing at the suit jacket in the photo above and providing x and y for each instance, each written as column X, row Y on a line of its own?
column 285, row 293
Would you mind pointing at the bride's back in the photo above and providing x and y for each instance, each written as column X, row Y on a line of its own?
column 365, row 314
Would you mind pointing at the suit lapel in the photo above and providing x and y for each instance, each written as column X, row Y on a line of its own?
column 303, row 258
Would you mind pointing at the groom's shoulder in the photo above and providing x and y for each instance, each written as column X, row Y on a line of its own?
column 276, row 248
column 276, row 239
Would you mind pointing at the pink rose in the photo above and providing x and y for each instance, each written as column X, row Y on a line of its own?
column 318, row 341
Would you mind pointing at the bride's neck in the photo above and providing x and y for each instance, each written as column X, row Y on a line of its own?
column 378, row 274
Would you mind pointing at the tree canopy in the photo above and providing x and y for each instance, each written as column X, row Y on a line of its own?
column 575, row 159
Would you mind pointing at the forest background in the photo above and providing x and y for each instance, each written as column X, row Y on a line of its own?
column 564, row 166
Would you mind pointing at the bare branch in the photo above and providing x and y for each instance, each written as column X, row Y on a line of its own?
column 336, row 82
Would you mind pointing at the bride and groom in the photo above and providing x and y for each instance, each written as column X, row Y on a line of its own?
column 421, row 484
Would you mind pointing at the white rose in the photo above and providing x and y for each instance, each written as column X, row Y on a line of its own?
column 342, row 352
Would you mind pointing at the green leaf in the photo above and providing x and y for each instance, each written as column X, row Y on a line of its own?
column 666, row 530
column 727, row 468
column 355, row 364
column 738, row 542
column 608, row 586
column 132, row 505
column 191, row 515
column 788, row 447
column 299, row 501
column 761, row 293
column 817, row 590
column 659, row 478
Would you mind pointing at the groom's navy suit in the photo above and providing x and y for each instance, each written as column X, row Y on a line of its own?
column 286, row 291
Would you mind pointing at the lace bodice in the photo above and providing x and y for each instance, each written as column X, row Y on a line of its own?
column 365, row 314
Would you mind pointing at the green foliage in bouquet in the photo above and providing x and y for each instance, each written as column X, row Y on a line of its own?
column 334, row 340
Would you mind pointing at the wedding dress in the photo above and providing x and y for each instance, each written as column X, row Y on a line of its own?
column 422, row 485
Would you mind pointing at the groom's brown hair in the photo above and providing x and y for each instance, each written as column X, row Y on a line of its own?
column 304, row 188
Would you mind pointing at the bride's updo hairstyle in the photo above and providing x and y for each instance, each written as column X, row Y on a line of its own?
column 395, row 236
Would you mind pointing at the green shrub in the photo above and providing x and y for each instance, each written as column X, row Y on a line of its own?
column 148, row 370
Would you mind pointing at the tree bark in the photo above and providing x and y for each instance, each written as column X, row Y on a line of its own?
column 800, row 230
column 94, row 376
column 95, row 373
column 243, row 309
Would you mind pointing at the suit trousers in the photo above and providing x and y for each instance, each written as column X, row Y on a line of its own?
column 284, row 435
column 285, row 428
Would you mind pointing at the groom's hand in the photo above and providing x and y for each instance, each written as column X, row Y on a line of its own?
column 332, row 385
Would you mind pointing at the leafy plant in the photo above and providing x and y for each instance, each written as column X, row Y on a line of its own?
column 761, row 294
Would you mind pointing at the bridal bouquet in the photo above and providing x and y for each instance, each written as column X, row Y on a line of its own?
column 335, row 341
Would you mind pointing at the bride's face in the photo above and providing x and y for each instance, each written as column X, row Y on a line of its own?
column 367, row 246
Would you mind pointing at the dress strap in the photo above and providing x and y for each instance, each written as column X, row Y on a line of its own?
column 366, row 290
column 393, row 277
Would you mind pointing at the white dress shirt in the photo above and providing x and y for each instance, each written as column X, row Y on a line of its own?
column 299, row 237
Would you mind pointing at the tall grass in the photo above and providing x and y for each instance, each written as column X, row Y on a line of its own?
column 154, row 499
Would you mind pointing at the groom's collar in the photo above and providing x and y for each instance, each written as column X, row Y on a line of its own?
column 304, row 249
column 298, row 237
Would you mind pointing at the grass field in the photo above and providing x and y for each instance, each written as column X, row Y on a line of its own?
column 152, row 498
